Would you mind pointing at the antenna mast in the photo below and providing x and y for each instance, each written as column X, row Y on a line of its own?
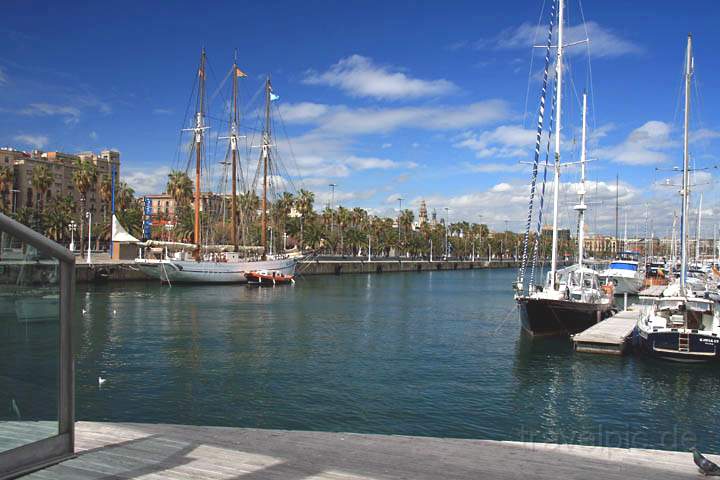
column 558, row 124
column 686, row 163
column 266, row 160
column 199, row 127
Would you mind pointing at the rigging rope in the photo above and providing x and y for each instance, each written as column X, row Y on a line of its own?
column 541, row 117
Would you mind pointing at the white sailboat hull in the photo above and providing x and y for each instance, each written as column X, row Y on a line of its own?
column 188, row 271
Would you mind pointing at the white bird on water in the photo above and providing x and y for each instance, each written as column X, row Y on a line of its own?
column 114, row 311
column 101, row 380
column 15, row 409
column 84, row 311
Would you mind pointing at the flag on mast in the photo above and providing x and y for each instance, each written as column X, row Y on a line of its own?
column 239, row 73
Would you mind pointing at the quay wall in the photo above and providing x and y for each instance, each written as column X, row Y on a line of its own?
column 339, row 267
column 126, row 271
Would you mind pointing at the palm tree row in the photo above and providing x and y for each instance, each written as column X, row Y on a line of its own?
column 53, row 218
column 342, row 231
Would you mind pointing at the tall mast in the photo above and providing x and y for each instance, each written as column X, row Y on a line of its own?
column 233, row 147
column 686, row 163
column 581, row 207
column 199, row 127
column 558, row 124
column 265, row 159
column 697, row 231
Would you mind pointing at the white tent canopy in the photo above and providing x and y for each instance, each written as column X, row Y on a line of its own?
column 119, row 234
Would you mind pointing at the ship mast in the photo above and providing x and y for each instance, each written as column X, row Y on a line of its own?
column 233, row 147
column 558, row 123
column 265, row 160
column 199, row 128
column 686, row 162
column 581, row 207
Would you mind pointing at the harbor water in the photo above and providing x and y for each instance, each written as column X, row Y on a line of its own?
column 432, row 353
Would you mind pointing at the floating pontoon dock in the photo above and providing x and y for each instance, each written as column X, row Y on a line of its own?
column 610, row 336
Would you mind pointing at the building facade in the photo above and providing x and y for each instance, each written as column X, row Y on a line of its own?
column 62, row 167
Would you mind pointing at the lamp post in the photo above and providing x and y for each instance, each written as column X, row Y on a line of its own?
column 447, row 244
column 88, row 215
column 400, row 199
column 332, row 201
column 13, row 207
column 72, row 226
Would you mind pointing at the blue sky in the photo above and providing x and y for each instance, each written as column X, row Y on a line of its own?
column 385, row 99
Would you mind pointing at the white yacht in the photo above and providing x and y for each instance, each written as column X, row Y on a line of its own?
column 624, row 274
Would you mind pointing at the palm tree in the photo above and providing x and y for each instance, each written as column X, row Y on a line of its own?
column 106, row 194
column 42, row 179
column 124, row 196
column 85, row 177
column 180, row 188
column 6, row 178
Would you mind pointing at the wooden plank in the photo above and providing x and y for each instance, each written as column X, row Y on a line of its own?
column 173, row 452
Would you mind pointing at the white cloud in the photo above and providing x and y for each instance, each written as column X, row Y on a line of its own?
column 93, row 135
column 71, row 114
column 36, row 141
column 494, row 167
column 646, row 145
column 302, row 112
column 505, row 141
column 3, row 77
column 603, row 42
column 386, row 145
column 162, row 111
column 369, row 163
column 360, row 77
column 146, row 182
column 704, row 134
column 359, row 121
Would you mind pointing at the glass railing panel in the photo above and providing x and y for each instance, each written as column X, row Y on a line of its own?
column 29, row 344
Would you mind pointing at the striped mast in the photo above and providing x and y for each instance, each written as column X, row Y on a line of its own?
column 538, row 231
column 558, row 124
column 538, row 137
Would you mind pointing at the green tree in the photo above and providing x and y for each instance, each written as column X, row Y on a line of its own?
column 84, row 178
column 6, row 183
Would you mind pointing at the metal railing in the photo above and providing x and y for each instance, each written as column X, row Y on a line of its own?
column 48, row 451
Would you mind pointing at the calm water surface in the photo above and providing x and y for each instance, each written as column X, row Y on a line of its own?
column 434, row 354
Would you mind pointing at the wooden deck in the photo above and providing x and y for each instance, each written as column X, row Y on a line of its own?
column 609, row 336
column 134, row 451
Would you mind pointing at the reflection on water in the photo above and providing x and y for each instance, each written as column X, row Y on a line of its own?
column 436, row 353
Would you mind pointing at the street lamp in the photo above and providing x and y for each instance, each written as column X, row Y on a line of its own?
column 72, row 226
column 400, row 199
column 447, row 245
column 88, row 215
column 332, row 202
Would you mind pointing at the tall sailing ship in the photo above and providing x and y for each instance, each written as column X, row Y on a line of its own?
column 572, row 298
column 198, row 263
column 680, row 325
